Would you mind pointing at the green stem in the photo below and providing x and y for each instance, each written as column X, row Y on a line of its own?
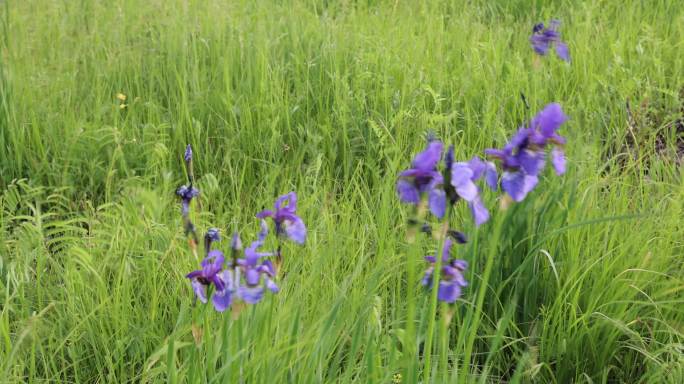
column 484, row 283
column 410, row 335
column 436, row 274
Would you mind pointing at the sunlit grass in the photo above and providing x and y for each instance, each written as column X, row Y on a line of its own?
column 332, row 100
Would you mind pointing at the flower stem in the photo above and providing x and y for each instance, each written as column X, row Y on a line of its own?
column 410, row 338
column 436, row 275
column 484, row 284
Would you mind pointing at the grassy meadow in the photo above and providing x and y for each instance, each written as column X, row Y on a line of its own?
column 581, row 282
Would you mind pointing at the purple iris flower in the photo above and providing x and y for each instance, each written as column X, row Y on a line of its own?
column 524, row 156
column 286, row 220
column 451, row 280
column 543, row 38
column 424, row 178
column 187, row 193
column 252, row 291
column 211, row 274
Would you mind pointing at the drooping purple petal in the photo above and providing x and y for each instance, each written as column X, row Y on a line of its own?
column 437, row 201
column 461, row 180
column 449, row 291
column 200, row 291
column 251, row 295
column 491, row 176
column 531, row 161
column 479, row 211
column 562, row 51
column 558, row 160
column 518, row 184
column 271, row 285
column 295, row 230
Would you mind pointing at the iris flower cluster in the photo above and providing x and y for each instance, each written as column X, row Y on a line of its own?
column 522, row 161
column 424, row 183
column 248, row 273
column 524, row 156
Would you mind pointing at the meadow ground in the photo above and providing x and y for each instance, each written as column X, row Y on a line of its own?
column 584, row 278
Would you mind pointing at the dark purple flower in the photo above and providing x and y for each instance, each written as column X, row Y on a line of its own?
column 451, row 280
column 285, row 218
column 424, row 178
column 211, row 236
column 252, row 291
column 524, row 157
column 187, row 193
column 211, row 274
column 543, row 38
column 188, row 154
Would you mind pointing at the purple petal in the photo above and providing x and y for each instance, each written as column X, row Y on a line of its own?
column 430, row 259
column 200, row 291
column 461, row 179
column 562, row 51
column 251, row 295
column 558, row 160
column 491, row 176
column 407, row 192
column 194, row 274
column 252, row 276
column 222, row 299
column 295, row 230
column 437, row 202
column 540, row 44
column 460, row 264
column 477, row 166
column 446, row 249
column 518, row 184
column 549, row 119
column 496, row 153
column 531, row 161
column 479, row 211
column 448, row 291
column 264, row 214
column 428, row 159
column 271, row 285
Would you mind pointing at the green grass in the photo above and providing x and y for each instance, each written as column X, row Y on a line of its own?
column 331, row 99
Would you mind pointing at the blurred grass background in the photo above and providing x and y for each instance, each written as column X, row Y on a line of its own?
column 331, row 99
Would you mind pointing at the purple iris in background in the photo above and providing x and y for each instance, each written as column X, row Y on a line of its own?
column 543, row 38
column 211, row 274
column 524, row 156
column 285, row 217
column 252, row 291
column 424, row 178
column 211, row 236
column 187, row 193
column 451, row 280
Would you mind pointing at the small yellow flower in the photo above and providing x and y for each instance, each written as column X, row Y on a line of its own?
column 121, row 96
column 396, row 379
column 123, row 106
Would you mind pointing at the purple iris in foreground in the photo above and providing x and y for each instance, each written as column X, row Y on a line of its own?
column 524, row 156
column 252, row 291
column 285, row 217
column 211, row 274
column 451, row 280
column 543, row 38
column 424, row 178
